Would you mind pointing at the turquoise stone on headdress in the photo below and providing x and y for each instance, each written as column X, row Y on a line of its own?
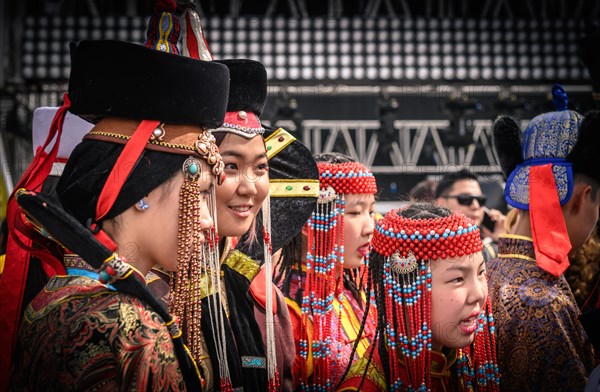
column 549, row 138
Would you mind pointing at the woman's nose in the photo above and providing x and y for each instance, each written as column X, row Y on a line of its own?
column 247, row 185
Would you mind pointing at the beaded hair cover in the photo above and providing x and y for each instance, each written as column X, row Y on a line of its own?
column 325, row 259
column 407, row 246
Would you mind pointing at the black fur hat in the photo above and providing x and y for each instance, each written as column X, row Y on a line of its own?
column 248, row 85
column 121, row 79
column 507, row 141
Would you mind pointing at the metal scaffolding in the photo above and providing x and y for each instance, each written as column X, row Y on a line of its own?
column 360, row 139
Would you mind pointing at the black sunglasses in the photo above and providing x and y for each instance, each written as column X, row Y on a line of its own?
column 467, row 200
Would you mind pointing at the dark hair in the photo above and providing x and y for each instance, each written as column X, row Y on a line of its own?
column 447, row 182
column 290, row 260
column 219, row 137
column 424, row 211
column 376, row 282
column 4, row 235
column 89, row 167
column 424, row 191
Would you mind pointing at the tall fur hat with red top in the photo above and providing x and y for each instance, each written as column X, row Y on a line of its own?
column 145, row 104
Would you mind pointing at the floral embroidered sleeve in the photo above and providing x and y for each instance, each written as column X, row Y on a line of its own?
column 144, row 350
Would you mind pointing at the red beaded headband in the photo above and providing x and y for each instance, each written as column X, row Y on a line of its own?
column 426, row 239
column 347, row 178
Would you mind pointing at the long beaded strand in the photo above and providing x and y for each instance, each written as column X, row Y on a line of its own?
column 216, row 313
column 272, row 371
column 188, row 250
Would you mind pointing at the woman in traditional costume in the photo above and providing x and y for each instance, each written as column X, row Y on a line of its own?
column 135, row 194
column 246, row 331
column 322, row 278
column 435, row 331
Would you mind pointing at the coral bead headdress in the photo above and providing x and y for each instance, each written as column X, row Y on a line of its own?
column 325, row 258
column 403, row 248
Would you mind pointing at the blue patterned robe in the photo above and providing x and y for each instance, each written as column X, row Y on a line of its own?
column 541, row 343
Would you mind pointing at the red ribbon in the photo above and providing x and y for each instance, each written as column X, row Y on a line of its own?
column 16, row 268
column 548, row 229
column 124, row 166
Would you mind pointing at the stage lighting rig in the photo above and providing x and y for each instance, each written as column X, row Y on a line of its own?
column 388, row 111
column 286, row 108
column 458, row 108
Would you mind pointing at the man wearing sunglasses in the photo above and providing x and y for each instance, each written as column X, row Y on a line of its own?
column 460, row 191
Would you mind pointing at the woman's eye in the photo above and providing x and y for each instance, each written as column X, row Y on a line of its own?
column 457, row 280
column 263, row 167
column 482, row 272
column 230, row 166
column 371, row 213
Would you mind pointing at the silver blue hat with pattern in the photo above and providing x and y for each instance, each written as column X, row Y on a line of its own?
column 549, row 138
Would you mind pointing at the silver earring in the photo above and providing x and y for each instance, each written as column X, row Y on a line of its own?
column 142, row 205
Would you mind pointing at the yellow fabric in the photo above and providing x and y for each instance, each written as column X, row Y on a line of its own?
column 2, row 257
column 243, row 264
column 293, row 188
column 351, row 325
column 273, row 143
column 375, row 374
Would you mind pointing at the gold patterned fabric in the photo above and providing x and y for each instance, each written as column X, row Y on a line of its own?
column 77, row 335
column 541, row 343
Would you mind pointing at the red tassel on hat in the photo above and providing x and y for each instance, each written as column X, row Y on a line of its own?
column 548, row 229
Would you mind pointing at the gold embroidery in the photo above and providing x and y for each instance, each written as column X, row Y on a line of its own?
column 277, row 141
column 516, row 237
column 516, row 256
column 243, row 264
column 155, row 142
column 294, row 188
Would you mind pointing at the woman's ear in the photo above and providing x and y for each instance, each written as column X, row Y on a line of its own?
column 581, row 192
